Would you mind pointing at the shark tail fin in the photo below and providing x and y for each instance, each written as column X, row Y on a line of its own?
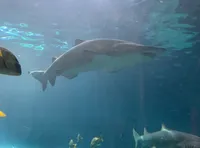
column 39, row 75
column 136, row 137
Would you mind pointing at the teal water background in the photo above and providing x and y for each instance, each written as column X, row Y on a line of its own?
column 165, row 90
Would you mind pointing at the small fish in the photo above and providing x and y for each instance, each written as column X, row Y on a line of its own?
column 111, row 55
column 166, row 138
column 2, row 114
column 79, row 138
column 9, row 65
column 72, row 144
column 96, row 142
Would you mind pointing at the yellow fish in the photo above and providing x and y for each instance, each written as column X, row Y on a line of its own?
column 2, row 114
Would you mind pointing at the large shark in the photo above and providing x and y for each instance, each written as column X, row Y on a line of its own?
column 110, row 55
column 166, row 138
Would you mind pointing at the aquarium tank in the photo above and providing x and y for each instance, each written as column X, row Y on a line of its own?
column 99, row 74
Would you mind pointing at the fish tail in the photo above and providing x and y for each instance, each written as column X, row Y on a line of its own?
column 39, row 75
column 136, row 137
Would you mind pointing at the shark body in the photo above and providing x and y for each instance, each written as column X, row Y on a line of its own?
column 166, row 138
column 110, row 55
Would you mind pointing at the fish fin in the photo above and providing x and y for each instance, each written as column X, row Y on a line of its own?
column 145, row 131
column 163, row 127
column 153, row 146
column 52, row 79
column 136, row 137
column 53, row 59
column 2, row 114
column 69, row 76
column 39, row 75
column 78, row 41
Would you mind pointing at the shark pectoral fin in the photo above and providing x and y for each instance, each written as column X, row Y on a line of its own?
column 53, row 59
column 69, row 76
column 78, row 41
column 52, row 79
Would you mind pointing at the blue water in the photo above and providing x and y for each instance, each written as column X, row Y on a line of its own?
column 165, row 90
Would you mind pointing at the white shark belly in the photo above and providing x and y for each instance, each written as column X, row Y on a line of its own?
column 108, row 63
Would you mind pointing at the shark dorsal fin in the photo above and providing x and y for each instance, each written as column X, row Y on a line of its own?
column 53, row 59
column 78, row 41
column 145, row 131
column 163, row 127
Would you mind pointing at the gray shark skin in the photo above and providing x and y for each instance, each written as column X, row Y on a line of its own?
column 110, row 55
column 166, row 138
